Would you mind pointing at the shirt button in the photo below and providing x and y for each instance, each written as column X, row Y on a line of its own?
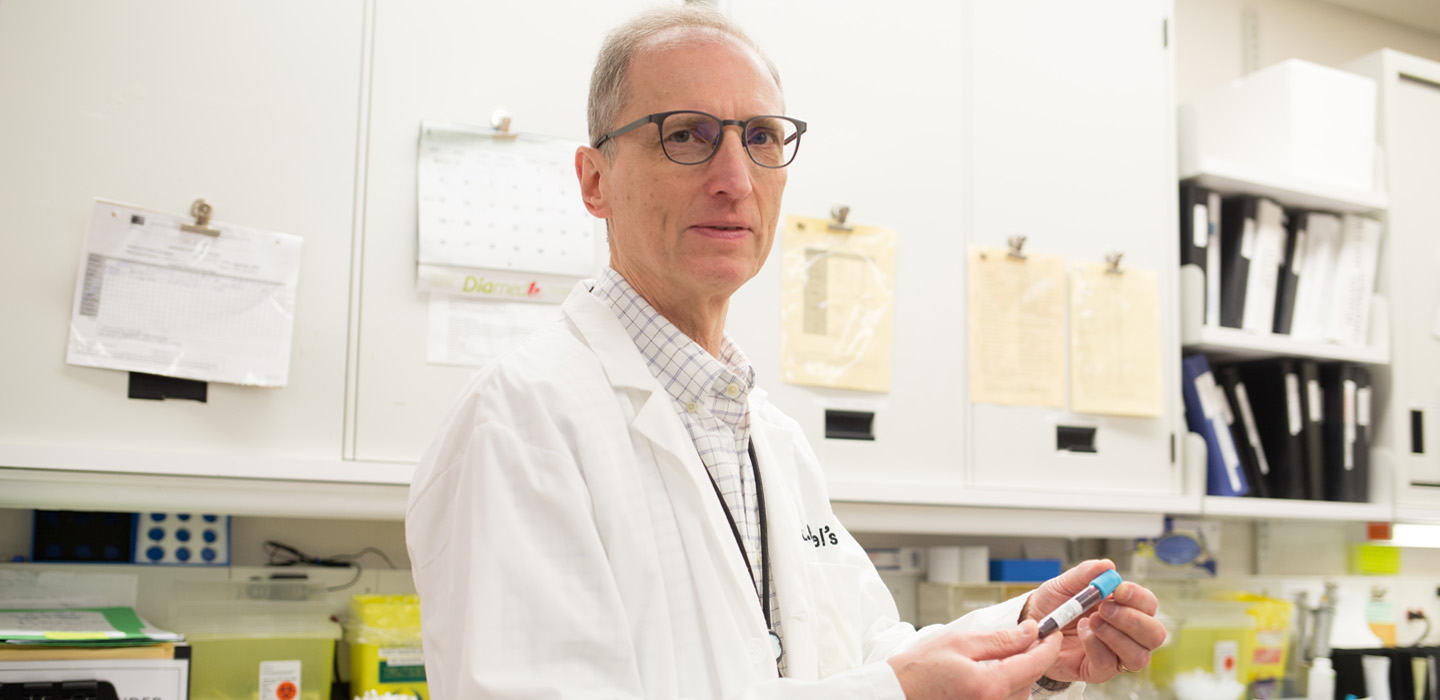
column 732, row 391
column 691, row 407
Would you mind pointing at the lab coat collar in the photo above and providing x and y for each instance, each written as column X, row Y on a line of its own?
column 597, row 324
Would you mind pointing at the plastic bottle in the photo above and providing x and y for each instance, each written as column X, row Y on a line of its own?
column 1322, row 680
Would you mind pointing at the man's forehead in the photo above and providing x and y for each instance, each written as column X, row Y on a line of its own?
column 660, row 51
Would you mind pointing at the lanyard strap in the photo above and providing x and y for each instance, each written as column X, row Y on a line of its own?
column 764, row 584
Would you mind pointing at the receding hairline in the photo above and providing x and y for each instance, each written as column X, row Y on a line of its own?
column 656, row 31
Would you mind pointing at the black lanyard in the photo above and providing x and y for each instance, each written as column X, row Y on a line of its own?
column 764, row 591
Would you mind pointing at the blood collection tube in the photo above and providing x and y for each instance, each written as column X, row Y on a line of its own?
column 1098, row 590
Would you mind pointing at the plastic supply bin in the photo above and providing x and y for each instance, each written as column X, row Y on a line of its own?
column 385, row 655
column 1293, row 119
column 1211, row 636
column 270, row 640
column 1024, row 569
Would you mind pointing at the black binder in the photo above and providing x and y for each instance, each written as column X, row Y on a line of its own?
column 1276, row 388
column 1347, row 440
column 1195, row 229
column 1289, row 279
column 1253, row 455
column 1312, row 398
column 1237, row 217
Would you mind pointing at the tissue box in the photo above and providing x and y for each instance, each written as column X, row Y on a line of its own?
column 1294, row 119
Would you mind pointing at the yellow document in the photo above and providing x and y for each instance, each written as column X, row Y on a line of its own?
column 1017, row 328
column 1115, row 341
column 837, row 305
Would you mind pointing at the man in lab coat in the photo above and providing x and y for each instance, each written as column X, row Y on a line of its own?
column 614, row 510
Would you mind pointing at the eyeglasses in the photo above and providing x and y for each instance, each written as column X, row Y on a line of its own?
column 691, row 138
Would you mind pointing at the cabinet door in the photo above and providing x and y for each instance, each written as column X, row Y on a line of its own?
column 157, row 103
column 1072, row 145
column 457, row 62
column 964, row 122
column 1413, row 256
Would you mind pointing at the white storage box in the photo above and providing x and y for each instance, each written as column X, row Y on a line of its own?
column 1295, row 119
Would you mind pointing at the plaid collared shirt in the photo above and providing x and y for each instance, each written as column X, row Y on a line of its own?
column 711, row 396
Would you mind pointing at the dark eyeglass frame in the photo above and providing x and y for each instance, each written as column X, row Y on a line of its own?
column 659, row 118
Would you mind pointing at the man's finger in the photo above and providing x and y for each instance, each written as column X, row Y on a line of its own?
column 1017, row 672
column 1136, row 596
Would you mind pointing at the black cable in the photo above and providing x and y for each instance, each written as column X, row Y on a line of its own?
column 281, row 554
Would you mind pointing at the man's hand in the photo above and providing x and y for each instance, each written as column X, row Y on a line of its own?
column 950, row 666
column 1116, row 635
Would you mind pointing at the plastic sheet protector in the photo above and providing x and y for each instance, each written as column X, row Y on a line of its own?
column 151, row 297
column 1016, row 321
column 837, row 305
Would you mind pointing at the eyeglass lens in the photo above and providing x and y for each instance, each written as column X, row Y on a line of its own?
column 692, row 137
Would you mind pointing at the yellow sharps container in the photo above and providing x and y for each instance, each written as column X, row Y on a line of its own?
column 384, row 636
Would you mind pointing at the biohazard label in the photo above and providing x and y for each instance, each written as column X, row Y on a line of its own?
column 279, row 680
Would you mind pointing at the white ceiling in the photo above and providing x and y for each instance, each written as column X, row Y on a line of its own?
column 1419, row 14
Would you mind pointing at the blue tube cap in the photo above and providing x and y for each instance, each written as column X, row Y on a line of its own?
column 1107, row 583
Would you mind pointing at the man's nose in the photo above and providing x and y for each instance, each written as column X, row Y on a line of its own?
column 730, row 168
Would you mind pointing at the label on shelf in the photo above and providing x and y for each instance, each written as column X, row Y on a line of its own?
column 1242, row 397
column 1317, row 402
column 1362, row 406
column 1292, row 402
column 1200, row 227
column 1347, row 416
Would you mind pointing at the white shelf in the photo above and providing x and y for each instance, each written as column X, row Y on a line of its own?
column 1236, row 344
column 120, row 492
column 1287, row 509
column 1230, row 178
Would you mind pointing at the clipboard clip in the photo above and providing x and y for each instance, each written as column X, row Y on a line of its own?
column 1016, row 242
column 838, row 214
column 500, row 121
column 1112, row 262
column 201, row 210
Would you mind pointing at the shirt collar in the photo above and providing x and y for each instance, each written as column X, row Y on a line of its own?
column 688, row 373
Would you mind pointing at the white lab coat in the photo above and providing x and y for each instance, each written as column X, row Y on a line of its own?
column 566, row 543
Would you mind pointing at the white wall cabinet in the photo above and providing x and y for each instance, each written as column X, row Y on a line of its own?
column 1409, row 110
column 982, row 120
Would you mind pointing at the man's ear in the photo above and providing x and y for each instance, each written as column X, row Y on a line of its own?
column 592, row 168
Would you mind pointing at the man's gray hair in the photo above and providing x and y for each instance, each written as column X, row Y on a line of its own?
column 658, row 28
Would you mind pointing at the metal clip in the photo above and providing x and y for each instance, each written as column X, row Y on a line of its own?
column 1017, row 246
column 201, row 210
column 500, row 121
column 838, row 214
column 1112, row 262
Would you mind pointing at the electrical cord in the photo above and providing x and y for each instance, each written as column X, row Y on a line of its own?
column 281, row 554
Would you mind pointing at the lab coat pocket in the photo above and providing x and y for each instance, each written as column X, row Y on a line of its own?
column 837, row 611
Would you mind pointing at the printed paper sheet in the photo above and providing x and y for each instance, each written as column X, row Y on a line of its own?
column 508, row 205
column 1115, row 341
column 472, row 332
column 1017, row 328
